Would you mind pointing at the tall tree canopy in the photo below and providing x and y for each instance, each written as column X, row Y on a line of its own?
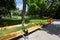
column 54, row 8
column 6, row 6
column 36, row 7
column 44, row 7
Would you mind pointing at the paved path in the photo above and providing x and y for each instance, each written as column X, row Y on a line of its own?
column 50, row 32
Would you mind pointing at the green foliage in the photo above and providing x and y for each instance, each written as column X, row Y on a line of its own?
column 36, row 7
column 8, row 31
column 49, row 8
column 6, row 6
column 7, row 21
column 16, row 12
column 54, row 7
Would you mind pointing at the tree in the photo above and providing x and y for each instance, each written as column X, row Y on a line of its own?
column 57, row 7
column 54, row 7
column 32, row 4
column 36, row 7
column 6, row 6
column 23, row 12
column 17, row 12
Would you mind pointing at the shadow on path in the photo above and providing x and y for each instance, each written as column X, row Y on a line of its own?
column 52, row 29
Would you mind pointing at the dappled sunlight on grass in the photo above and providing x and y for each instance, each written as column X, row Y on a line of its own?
column 7, row 31
column 7, row 21
column 13, row 18
column 31, row 23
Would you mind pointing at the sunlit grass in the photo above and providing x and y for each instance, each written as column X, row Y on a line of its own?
column 17, row 20
column 7, row 31
column 38, row 20
column 13, row 18
column 7, row 21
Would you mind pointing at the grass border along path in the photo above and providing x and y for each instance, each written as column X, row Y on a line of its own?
column 12, row 35
column 7, row 30
column 17, row 33
column 10, row 27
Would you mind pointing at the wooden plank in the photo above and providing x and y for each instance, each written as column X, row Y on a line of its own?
column 33, row 28
column 19, row 33
column 11, row 27
column 12, row 35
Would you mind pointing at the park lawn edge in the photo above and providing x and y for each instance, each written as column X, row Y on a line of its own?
column 29, row 30
column 18, row 33
column 29, row 27
column 16, row 29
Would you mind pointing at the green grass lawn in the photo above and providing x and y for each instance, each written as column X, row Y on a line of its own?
column 37, row 20
column 17, row 20
column 7, row 21
column 8, row 31
column 3, row 32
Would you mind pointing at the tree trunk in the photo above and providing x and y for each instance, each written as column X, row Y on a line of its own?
column 11, row 14
column 23, row 12
column 0, row 17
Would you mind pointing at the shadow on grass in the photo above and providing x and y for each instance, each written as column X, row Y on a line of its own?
column 53, row 29
column 38, row 18
column 10, row 22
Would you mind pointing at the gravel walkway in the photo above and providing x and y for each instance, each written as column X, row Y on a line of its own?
column 50, row 32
